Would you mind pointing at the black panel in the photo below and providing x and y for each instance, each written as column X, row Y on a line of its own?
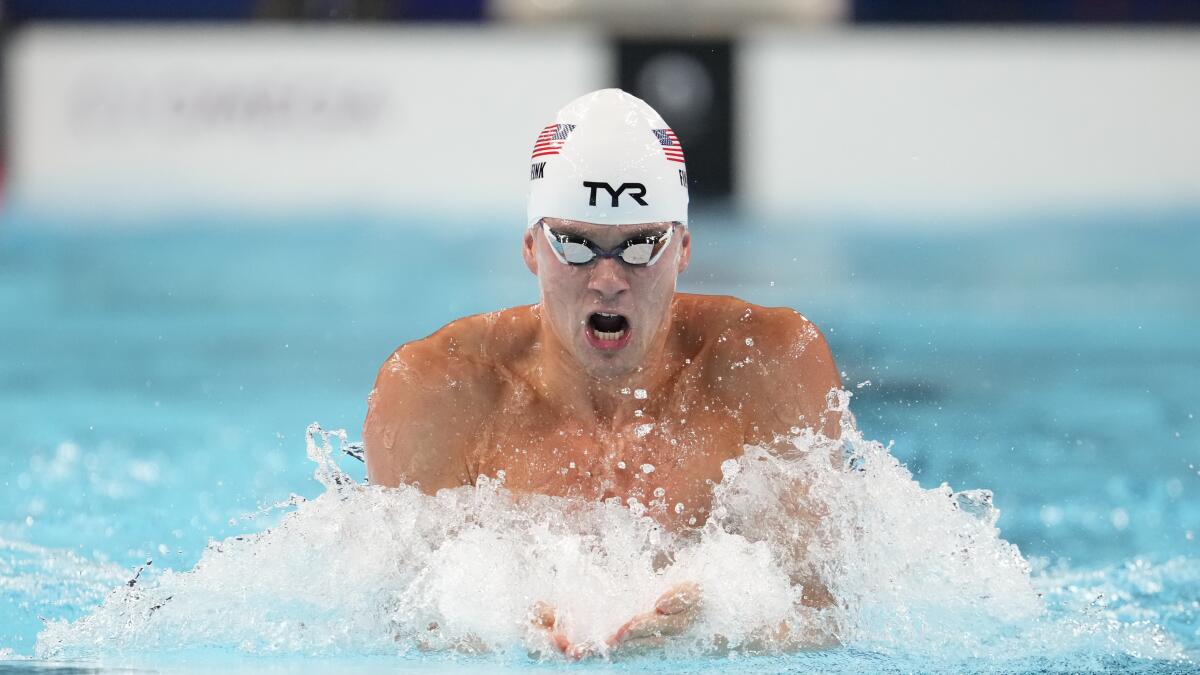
column 690, row 83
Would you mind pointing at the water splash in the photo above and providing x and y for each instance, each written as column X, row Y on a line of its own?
column 367, row 570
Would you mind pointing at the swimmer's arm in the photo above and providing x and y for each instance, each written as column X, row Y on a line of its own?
column 420, row 418
column 797, row 373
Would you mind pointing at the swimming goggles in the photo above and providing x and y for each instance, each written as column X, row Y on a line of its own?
column 641, row 251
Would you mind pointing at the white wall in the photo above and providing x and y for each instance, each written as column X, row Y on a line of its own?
column 418, row 120
column 968, row 122
column 131, row 121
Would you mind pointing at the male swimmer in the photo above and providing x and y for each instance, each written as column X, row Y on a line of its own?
column 614, row 385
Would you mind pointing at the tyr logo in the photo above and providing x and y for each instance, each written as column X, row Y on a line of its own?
column 636, row 190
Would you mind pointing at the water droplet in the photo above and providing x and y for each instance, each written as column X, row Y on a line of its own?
column 647, row 468
column 1119, row 518
column 1051, row 515
column 1174, row 488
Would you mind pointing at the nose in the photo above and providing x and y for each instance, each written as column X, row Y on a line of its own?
column 608, row 279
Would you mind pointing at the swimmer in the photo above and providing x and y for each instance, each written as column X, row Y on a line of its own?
column 614, row 385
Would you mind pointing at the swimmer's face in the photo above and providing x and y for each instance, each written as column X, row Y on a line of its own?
column 606, row 313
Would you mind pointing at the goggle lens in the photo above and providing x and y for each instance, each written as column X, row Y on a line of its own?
column 575, row 252
column 638, row 254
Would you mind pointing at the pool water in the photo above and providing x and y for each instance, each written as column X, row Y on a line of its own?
column 156, row 386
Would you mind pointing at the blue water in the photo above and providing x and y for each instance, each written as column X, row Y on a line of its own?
column 157, row 383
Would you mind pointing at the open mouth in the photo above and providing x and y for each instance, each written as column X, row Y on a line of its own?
column 607, row 331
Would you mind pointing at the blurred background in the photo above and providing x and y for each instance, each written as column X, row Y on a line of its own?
column 221, row 216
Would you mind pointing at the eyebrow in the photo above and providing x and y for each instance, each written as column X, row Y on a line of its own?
column 650, row 231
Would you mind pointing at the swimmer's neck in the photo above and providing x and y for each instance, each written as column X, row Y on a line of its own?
column 607, row 401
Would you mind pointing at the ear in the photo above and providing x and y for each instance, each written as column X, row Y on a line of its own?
column 529, row 252
column 685, row 249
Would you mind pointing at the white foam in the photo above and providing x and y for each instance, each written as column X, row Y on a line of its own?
column 367, row 570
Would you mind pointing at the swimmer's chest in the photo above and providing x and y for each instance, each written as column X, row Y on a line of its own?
column 667, row 462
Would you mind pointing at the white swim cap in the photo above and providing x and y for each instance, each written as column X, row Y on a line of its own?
column 608, row 158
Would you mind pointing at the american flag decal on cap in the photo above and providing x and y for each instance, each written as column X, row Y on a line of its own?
column 670, row 144
column 551, row 140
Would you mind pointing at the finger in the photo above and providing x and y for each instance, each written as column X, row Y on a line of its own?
column 666, row 624
column 542, row 614
column 560, row 642
column 582, row 649
column 625, row 627
column 544, row 617
column 653, row 624
column 678, row 599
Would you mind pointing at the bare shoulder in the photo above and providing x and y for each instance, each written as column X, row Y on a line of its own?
column 784, row 337
column 774, row 361
column 432, row 396
column 473, row 347
column 777, row 334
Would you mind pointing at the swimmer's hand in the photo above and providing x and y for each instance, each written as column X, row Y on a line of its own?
column 674, row 612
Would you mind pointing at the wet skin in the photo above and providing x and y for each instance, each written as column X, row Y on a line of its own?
column 524, row 391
